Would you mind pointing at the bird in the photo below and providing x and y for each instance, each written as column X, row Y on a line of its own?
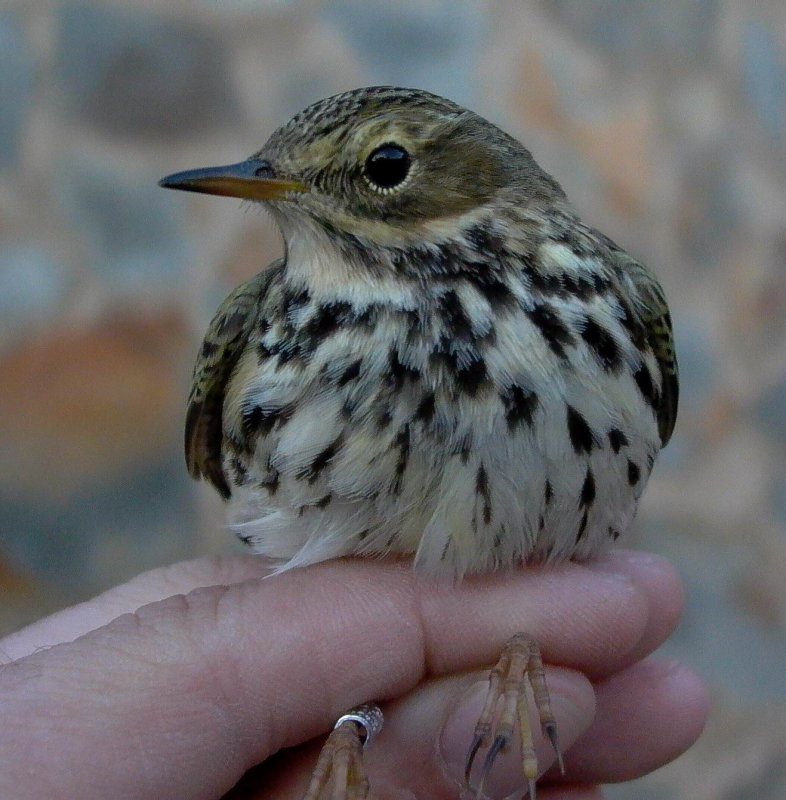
column 447, row 364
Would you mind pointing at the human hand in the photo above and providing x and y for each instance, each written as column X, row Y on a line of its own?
column 216, row 670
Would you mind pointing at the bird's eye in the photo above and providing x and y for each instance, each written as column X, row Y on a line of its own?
column 388, row 166
column 264, row 170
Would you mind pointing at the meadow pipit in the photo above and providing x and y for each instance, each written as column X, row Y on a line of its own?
column 447, row 363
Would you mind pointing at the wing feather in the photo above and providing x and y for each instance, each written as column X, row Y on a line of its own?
column 224, row 342
column 649, row 304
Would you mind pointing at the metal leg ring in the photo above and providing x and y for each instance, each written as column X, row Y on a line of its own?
column 368, row 717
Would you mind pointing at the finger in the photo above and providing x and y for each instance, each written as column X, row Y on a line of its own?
column 195, row 690
column 157, row 584
column 629, row 738
column 560, row 622
column 403, row 761
column 653, row 576
column 647, row 716
column 658, row 580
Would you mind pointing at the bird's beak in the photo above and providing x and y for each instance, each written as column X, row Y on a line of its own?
column 251, row 179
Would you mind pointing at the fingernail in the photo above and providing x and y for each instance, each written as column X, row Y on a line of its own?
column 573, row 703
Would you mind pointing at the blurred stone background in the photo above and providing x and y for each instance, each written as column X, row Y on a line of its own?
column 665, row 122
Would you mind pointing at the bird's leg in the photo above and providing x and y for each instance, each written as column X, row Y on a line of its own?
column 341, row 759
column 506, row 704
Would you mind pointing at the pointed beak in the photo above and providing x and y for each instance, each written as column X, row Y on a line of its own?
column 253, row 179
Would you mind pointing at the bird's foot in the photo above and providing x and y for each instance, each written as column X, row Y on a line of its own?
column 340, row 762
column 507, row 704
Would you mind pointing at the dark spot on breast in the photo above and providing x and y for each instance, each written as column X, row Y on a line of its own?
column 602, row 344
column 292, row 301
column 425, row 410
column 600, row 283
column 260, row 422
column 454, row 318
column 415, row 260
column 323, row 502
column 350, row 373
column 634, row 473
column 402, row 443
column 519, row 406
column 617, row 439
column 631, row 323
column 646, row 387
column 325, row 321
column 581, row 436
column 551, row 327
column 270, row 482
column 463, row 448
column 546, row 283
column 384, row 418
column 581, row 286
column 472, row 378
column 414, row 322
column 287, row 351
column 548, row 493
column 365, row 318
column 485, row 240
column 587, row 490
column 398, row 371
column 317, row 466
column 498, row 294
column 483, row 491
column 614, row 534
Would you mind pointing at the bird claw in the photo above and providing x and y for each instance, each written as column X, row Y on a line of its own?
column 550, row 729
column 477, row 741
column 500, row 743
column 506, row 707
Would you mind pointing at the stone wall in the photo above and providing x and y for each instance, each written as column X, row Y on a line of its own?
column 665, row 122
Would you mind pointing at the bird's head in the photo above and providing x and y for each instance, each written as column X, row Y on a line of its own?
column 380, row 166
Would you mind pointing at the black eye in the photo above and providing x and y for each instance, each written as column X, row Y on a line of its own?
column 388, row 166
column 264, row 170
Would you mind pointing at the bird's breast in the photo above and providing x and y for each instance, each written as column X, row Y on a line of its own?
column 473, row 430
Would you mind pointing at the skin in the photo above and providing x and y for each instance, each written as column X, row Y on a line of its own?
column 179, row 682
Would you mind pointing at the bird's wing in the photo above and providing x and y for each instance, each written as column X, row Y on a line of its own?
column 649, row 304
column 224, row 341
